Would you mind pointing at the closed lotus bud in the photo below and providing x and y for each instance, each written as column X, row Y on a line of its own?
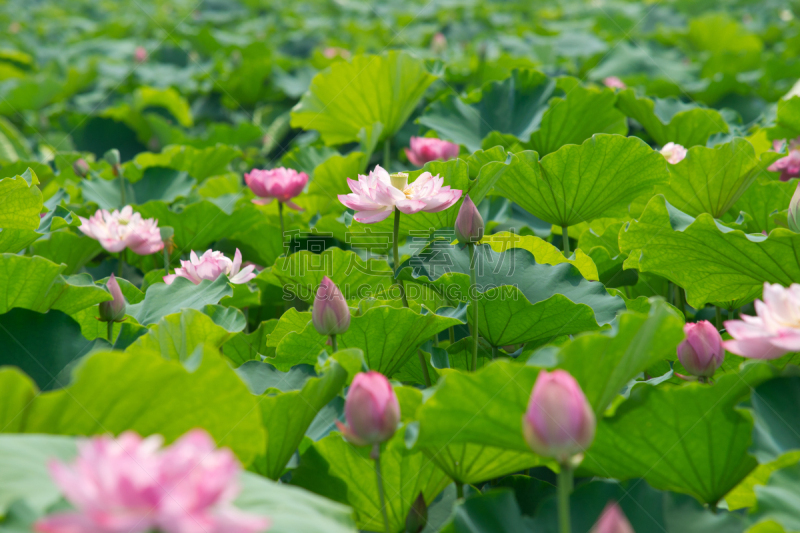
column 701, row 353
column 112, row 157
column 794, row 211
column 113, row 310
column 438, row 43
column 371, row 410
column 469, row 224
column 417, row 517
column 81, row 168
column 559, row 422
column 612, row 520
column 330, row 314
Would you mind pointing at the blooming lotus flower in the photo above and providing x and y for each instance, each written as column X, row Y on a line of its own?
column 280, row 183
column 425, row 149
column 559, row 422
column 774, row 331
column 123, row 229
column 614, row 82
column 131, row 485
column 113, row 310
column 212, row 265
column 701, row 352
column 374, row 197
column 612, row 520
column 794, row 211
column 675, row 153
column 788, row 166
column 140, row 54
column 469, row 224
column 330, row 314
column 371, row 410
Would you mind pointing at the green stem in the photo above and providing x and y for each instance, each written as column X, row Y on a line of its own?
column 452, row 332
column 333, row 342
column 121, row 186
column 110, row 327
column 280, row 215
column 376, row 453
column 424, row 366
column 120, row 263
column 473, row 293
column 719, row 317
column 459, row 490
column 564, row 490
column 679, row 300
column 387, row 154
column 395, row 238
column 495, row 352
column 731, row 314
column 565, row 239
column 166, row 260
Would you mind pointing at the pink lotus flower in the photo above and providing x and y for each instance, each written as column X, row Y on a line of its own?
column 132, row 485
column 788, row 166
column 701, row 352
column 374, row 197
column 280, row 183
column 140, row 54
column 612, row 520
column 774, row 331
column 123, row 229
column 425, row 149
column 334, row 51
column 675, row 153
column 559, row 422
column 438, row 43
column 330, row 314
column 371, row 410
column 212, row 265
column 614, row 82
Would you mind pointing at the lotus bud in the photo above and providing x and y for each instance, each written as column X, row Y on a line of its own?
column 330, row 314
column 438, row 43
column 701, row 353
column 559, row 422
column 371, row 410
column 113, row 310
column 112, row 157
column 612, row 520
column 794, row 211
column 469, row 224
column 81, row 168
column 417, row 517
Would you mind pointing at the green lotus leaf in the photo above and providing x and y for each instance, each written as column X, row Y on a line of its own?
column 787, row 120
column 669, row 120
column 22, row 203
column 497, row 510
column 161, row 299
column 157, row 183
column 774, row 408
column 345, row 473
column 575, row 184
column 67, row 248
column 198, row 163
column 761, row 202
column 687, row 439
column 291, row 320
column 353, row 95
column 544, row 252
column 712, row 262
column 778, row 500
column 711, row 180
column 330, row 180
column 245, row 346
column 112, row 392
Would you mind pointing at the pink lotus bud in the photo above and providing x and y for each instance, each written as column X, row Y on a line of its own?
column 280, row 183
column 425, row 149
column 81, row 168
column 330, row 314
column 559, row 422
column 113, row 310
column 675, row 153
column 371, row 410
column 614, row 82
column 612, row 520
column 438, row 43
column 469, row 224
column 140, row 54
column 794, row 211
column 701, row 352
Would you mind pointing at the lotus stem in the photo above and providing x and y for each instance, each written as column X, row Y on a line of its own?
column 120, row 263
column 376, row 454
column 564, row 490
column 495, row 352
column 334, row 344
column 424, row 365
column 395, row 238
column 473, row 292
column 118, row 172
column 280, row 215
column 459, row 490
column 565, row 239
column 110, row 326
column 719, row 317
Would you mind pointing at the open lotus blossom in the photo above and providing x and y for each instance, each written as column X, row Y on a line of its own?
column 375, row 196
column 133, row 485
column 123, row 229
column 675, row 153
column 280, row 184
column 614, row 82
column 425, row 149
column 212, row 265
column 774, row 331
column 140, row 54
column 788, row 166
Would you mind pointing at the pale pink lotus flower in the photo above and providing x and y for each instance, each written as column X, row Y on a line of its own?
column 612, row 520
column 375, row 196
column 210, row 266
column 559, row 422
column 140, row 54
column 675, row 153
column 280, row 184
column 123, row 229
column 330, row 314
column 133, row 485
column 774, row 331
column 425, row 149
column 371, row 410
column 614, row 82
column 701, row 352
column 334, row 51
column 788, row 166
